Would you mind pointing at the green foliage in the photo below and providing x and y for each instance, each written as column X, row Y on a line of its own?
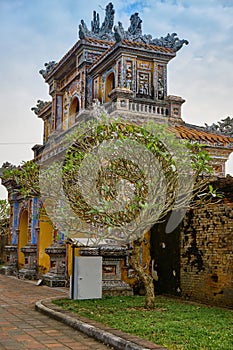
column 118, row 169
column 4, row 209
column 173, row 323
column 211, row 193
column 200, row 158
column 171, row 153
column 25, row 178
column 4, row 216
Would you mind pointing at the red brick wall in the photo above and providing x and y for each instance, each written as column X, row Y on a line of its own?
column 207, row 250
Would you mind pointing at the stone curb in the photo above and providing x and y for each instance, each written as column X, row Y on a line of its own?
column 105, row 335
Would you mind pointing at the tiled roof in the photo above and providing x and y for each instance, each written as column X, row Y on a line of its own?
column 96, row 42
column 196, row 134
column 147, row 46
column 130, row 44
column 109, row 45
column 63, row 59
column 101, row 57
column 103, row 43
column 44, row 109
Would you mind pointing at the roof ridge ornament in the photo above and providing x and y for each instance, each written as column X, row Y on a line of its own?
column 95, row 23
column 39, row 106
column 134, row 32
column 108, row 22
column 135, row 28
column 48, row 68
column 105, row 31
column 225, row 126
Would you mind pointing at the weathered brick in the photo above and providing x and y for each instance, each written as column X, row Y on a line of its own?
column 207, row 268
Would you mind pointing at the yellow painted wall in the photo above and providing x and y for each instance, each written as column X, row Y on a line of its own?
column 146, row 259
column 100, row 88
column 109, row 85
column 69, row 258
column 23, row 237
column 45, row 239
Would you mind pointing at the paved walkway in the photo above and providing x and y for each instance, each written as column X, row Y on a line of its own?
column 21, row 327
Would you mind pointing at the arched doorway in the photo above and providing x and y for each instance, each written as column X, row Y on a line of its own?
column 73, row 111
column 110, row 85
column 23, row 237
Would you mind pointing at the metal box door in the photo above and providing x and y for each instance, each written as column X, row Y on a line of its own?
column 88, row 277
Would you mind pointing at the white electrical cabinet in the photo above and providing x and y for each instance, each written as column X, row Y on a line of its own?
column 87, row 283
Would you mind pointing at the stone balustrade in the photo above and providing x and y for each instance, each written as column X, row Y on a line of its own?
column 148, row 108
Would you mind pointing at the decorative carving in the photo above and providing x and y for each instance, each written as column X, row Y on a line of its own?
column 143, row 83
column 105, row 32
column 119, row 73
column 128, row 74
column 134, row 32
column 119, row 33
column 225, row 126
column 171, row 41
column 161, row 82
column 95, row 24
column 107, row 25
column 91, row 56
column 48, row 68
column 135, row 28
column 39, row 106
column 83, row 30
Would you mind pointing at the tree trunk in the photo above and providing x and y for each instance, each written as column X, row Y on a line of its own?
column 144, row 277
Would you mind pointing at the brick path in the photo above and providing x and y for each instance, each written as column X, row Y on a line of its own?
column 21, row 327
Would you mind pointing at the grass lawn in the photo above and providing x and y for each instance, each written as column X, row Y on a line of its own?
column 173, row 323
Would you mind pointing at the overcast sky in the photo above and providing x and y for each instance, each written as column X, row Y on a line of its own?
column 36, row 31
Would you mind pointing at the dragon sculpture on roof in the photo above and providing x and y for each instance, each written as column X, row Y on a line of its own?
column 107, row 31
column 225, row 126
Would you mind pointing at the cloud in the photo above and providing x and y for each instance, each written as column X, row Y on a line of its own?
column 226, row 3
